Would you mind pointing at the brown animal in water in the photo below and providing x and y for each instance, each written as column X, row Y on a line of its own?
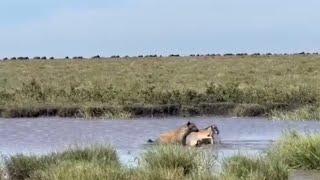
column 177, row 136
column 204, row 136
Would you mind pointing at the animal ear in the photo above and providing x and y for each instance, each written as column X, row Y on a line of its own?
column 188, row 124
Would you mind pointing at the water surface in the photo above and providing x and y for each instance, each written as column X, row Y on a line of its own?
column 44, row 135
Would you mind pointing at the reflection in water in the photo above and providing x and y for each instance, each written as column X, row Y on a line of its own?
column 43, row 135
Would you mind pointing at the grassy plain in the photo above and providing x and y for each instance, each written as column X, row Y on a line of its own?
column 244, row 86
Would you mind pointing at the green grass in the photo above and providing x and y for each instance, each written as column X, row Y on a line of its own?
column 21, row 167
column 244, row 86
column 161, row 162
column 303, row 113
column 173, row 157
column 263, row 168
column 293, row 151
column 67, row 170
column 298, row 151
column 2, row 173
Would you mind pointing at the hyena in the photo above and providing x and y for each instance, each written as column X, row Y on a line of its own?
column 204, row 136
column 177, row 136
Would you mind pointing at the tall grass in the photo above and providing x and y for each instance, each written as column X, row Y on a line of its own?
column 162, row 163
column 171, row 157
column 292, row 151
column 21, row 167
column 88, row 88
column 3, row 174
column 241, row 167
column 303, row 113
column 187, row 161
column 298, row 151
column 67, row 170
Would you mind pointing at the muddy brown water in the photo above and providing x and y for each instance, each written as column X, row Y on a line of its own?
column 248, row 136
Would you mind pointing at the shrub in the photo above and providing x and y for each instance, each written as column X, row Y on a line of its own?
column 77, row 57
column 96, row 57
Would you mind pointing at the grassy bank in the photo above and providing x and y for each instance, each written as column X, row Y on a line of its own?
column 242, row 86
column 303, row 113
column 293, row 151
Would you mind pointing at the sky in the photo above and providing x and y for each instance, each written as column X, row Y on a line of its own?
column 132, row 27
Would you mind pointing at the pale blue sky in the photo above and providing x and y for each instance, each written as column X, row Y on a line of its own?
column 133, row 27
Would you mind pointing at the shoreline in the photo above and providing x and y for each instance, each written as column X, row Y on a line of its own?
column 137, row 111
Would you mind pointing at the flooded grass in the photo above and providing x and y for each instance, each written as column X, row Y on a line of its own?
column 184, row 86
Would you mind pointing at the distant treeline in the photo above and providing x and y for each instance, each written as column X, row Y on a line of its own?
column 155, row 56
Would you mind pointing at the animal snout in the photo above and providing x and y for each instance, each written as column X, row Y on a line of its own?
column 216, row 130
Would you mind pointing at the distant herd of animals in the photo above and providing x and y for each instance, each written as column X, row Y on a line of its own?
column 189, row 135
column 155, row 56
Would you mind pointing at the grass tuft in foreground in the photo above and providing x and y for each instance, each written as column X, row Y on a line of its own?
column 292, row 152
column 241, row 167
column 298, row 151
column 159, row 163
column 66, row 170
column 171, row 157
column 21, row 167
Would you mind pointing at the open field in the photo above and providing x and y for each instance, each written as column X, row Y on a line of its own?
column 293, row 152
column 242, row 86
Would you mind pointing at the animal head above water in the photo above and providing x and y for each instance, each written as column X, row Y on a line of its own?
column 215, row 129
column 192, row 127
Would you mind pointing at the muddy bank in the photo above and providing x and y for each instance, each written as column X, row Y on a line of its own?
column 135, row 111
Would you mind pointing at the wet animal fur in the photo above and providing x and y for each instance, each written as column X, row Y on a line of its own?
column 177, row 136
column 204, row 136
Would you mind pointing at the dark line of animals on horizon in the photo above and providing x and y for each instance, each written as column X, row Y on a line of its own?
column 156, row 56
